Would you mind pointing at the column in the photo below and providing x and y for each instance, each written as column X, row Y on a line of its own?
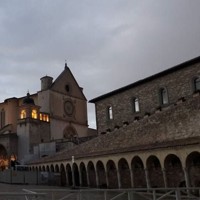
column 119, row 179
column 187, row 183
column 107, row 182
column 88, row 180
column 73, row 177
column 164, row 177
column 147, row 177
column 80, row 178
column 132, row 178
column 97, row 178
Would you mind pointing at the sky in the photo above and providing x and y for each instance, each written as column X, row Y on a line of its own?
column 107, row 43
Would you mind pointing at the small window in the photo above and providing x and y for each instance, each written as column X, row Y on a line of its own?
column 68, row 88
column 34, row 114
column 163, row 96
column 136, row 106
column 3, row 118
column 23, row 114
column 197, row 84
column 110, row 112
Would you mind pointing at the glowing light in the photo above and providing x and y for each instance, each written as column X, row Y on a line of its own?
column 23, row 114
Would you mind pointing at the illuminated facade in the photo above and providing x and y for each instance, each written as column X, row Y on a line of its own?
column 56, row 114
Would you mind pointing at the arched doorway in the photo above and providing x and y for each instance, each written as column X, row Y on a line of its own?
column 83, row 175
column 69, row 175
column 193, row 168
column 155, row 172
column 174, row 171
column 112, row 174
column 101, row 174
column 3, row 158
column 139, row 180
column 62, row 175
column 91, row 174
column 52, row 168
column 76, row 175
column 124, row 171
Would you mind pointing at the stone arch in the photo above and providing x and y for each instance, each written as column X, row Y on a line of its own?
column 154, row 172
column 124, row 172
column 76, row 174
column 43, row 168
column 83, row 175
column 70, row 134
column 112, row 174
column 57, row 169
column 36, row 169
column 173, row 170
column 101, row 174
column 33, row 168
column 91, row 174
column 47, row 168
column 40, row 168
column 62, row 175
column 137, row 167
column 69, row 175
column 52, row 168
column 193, row 168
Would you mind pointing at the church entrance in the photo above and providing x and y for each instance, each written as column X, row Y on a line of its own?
column 4, row 160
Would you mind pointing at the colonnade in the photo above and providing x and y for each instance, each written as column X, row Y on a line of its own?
column 129, row 172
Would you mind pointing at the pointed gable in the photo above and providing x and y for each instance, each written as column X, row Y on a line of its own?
column 67, row 84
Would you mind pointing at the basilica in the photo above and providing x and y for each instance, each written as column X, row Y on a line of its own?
column 148, row 136
column 41, row 124
column 148, row 132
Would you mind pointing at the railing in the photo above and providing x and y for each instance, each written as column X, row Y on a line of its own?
column 110, row 194
column 22, row 195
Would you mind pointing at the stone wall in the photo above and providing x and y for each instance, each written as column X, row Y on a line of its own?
column 178, row 84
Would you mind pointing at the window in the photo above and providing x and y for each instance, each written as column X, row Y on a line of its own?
column 197, row 84
column 34, row 114
column 44, row 117
column 3, row 118
column 136, row 106
column 163, row 96
column 110, row 112
column 23, row 114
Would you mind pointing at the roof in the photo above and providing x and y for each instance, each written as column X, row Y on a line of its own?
column 142, row 81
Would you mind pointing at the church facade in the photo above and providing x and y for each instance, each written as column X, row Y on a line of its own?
column 41, row 124
column 148, row 136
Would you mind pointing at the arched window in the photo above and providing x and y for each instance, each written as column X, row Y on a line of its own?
column 163, row 96
column 110, row 112
column 197, row 84
column 23, row 114
column 3, row 118
column 34, row 114
column 135, row 105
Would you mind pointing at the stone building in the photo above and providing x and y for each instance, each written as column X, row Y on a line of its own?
column 40, row 124
column 148, row 136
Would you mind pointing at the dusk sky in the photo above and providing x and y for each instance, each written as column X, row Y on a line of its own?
column 107, row 43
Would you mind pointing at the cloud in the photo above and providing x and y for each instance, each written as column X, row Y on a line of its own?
column 107, row 44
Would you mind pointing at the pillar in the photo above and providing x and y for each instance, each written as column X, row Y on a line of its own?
column 80, row 178
column 119, row 179
column 164, row 177
column 147, row 177
column 132, row 178
column 73, row 177
column 107, row 182
column 88, row 180
column 97, row 178
column 187, row 183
